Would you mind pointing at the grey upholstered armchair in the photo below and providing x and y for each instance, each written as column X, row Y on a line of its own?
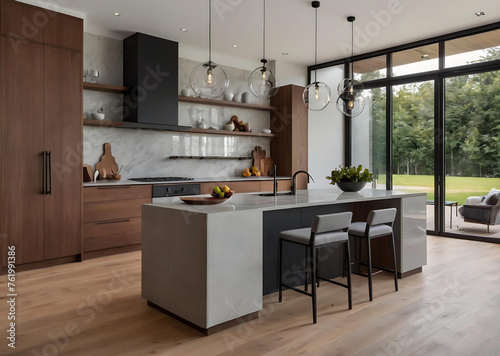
column 482, row 210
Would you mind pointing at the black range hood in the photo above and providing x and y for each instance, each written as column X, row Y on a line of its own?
column 150, row 70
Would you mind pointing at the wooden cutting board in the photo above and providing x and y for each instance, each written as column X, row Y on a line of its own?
column 266, row 165
column 107, row 164
column 258, row 154
column 88, row 173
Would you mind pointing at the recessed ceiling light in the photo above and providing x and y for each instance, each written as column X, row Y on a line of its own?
column 479, row 14
column 284, row 53
column 184, row 30
column 117, row 14
column 235, row 46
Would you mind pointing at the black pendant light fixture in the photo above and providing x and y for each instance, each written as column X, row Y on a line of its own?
column 317, row 95
column 262, row 82
column 208, row 80
column 350, row 101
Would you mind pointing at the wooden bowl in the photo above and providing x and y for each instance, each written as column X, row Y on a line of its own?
column 226, row 195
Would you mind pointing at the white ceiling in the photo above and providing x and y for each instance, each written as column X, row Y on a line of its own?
column 290, row 23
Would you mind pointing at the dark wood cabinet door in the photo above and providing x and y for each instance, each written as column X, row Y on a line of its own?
column 21, row 215
column 70, row 37
column 63, row 139
column 22, row 20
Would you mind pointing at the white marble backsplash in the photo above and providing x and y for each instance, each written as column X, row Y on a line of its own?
column 146, row 152
column 105, row 55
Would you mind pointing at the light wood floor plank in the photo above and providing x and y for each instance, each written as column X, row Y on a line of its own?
column 451, row 308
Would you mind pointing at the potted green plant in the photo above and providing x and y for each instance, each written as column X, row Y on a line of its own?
column 350, row 179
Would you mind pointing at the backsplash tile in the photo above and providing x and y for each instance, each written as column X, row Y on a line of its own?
column 146, row 153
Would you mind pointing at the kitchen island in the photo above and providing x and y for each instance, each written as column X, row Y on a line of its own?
column 210, row 265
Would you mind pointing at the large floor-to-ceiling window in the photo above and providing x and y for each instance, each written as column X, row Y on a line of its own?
column 472, row 144
column 432, row 124
column 413, row 141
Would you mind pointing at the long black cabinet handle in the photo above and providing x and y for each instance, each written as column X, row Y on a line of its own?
column 112, row 221
column 49, row 173
column 44, row 172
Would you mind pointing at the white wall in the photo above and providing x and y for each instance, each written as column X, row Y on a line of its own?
column 290, row 73
column 326, row 133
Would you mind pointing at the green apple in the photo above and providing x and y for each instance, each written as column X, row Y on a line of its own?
column 217, row 190
column 221, row 194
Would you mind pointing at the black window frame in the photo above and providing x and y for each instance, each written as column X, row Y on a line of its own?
column 438, row 76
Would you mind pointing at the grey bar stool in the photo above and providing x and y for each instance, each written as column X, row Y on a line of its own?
column 325, row 230
column 379, row 223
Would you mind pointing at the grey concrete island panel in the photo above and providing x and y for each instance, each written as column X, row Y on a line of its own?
column 204, row 264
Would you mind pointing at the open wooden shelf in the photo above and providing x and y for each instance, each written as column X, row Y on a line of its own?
column 108, row 123
column 103, row 123
column 209, row 157
column 105, row 88
column 230, row 104
column 229, row 133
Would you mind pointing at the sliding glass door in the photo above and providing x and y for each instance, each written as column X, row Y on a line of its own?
column 413, row 141
column 472, row 151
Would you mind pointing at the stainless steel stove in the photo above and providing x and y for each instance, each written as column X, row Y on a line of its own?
column 160, row 179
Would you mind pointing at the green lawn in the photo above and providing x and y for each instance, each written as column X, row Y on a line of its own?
column 457, row 188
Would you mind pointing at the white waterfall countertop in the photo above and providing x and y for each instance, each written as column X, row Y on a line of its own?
column 303, row 198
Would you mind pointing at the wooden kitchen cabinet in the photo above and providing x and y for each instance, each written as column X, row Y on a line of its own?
column 238, row 187
column 24, row 21
column 290, row 120
column 21, row 149
column 41, row 112
column 63, row 131
column 247, row 187
column 283, row 185
column 112, row 218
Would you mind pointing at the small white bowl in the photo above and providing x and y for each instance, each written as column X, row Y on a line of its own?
column 266, row 131
column 229, row 127
column 98, row 116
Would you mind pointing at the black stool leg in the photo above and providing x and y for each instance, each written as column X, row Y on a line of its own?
column 306, row 272
column 369, row 253
column 280, row 272
column 344, row 268
column 312, row 264
column 395, row 264
column 349, row 289
column 317, row 268
column 360, row 255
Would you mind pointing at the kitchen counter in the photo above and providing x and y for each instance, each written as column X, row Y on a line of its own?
column 112, row 182
column 304, row 198
column 210, row 265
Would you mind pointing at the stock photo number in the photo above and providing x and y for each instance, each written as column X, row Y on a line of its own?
column 11, row 296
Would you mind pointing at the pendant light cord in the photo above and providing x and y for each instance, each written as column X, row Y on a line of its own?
column 210, row 31
column 352, row 51
column 264, row 35
column 316, row 46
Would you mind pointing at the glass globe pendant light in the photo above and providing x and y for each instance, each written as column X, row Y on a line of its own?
column 262, row 82
column 317, row 95
column 350, row 101
column 208, row 80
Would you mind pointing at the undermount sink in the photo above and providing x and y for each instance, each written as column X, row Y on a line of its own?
column 272, row 195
